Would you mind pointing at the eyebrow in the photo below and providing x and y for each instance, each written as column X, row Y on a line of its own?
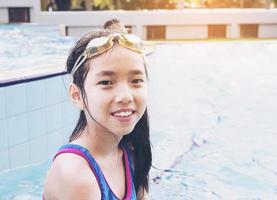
column 106, row 73
column 136, row 72
column 112, row 73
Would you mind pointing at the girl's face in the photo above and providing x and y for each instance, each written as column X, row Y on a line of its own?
column 116, row 89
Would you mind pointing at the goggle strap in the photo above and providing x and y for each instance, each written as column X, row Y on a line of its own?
column 78, row 63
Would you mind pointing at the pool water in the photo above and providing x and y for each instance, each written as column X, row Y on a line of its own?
column 32, row 45
column 213, row 113
column 24, row 183
column 213, row 124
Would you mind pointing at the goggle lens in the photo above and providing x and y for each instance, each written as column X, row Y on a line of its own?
column 100, row 45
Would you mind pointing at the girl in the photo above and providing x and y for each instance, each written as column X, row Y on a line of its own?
column 108, row 155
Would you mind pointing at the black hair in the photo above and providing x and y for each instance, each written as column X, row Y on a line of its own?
column 138, row 140
column 114, row 25
column 111, row 23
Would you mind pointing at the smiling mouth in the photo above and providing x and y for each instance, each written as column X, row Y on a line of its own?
column 123, row 114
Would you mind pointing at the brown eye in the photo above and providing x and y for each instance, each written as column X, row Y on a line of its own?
column 107, row 83
column 137, row 81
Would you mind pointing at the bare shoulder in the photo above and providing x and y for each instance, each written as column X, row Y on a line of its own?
column 70, row 177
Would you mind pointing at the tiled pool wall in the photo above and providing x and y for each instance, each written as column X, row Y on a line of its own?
column 35, row 119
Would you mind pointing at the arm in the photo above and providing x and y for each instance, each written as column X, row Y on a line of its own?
column 70, row 178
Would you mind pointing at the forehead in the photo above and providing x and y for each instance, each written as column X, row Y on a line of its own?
column 118, row 59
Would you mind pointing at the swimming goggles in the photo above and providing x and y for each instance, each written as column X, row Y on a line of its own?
column 100, row 45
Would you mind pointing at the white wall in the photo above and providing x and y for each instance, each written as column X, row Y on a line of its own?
column 172, row 17
column 185, row 22
column 18, row 3
column 187, row 31
column 267, row 30
column 80, row 30
column 4, row 15
column 233, row 31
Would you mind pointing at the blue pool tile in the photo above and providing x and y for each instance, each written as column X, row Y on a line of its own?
column 35, row 95
column 2, row 104
column 17, row 129
column 18, row 155
column 15, row 100
column 65, row 95
column 3, row 135
column 67, row 130
column 37, row 123
column 70, row 113
column 53, row 88
column 54, row 117
column 38, row 150
column 4, row 160
column 54, row 141
column 65, row 86
column 66, row 79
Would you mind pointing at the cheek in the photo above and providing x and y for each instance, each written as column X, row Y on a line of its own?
column 96, row 99
column 142, row 99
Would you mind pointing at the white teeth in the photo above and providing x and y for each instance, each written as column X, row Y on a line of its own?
column 123, row 114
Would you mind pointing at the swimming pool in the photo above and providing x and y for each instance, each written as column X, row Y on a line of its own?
column 32, row 45
column 30, row 50
column 212, row 113
column 221, row 96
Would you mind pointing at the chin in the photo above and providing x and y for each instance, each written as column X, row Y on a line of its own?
column 123, row 132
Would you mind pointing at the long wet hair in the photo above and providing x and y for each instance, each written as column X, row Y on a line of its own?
column 138, row 140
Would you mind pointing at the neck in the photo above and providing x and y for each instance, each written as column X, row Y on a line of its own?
column 99, row 141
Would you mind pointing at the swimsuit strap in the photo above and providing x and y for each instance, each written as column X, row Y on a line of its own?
column 106, row 192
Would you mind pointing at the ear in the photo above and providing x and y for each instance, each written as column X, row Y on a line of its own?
column 76, row 96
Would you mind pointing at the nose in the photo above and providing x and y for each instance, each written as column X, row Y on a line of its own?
column 124, row 94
